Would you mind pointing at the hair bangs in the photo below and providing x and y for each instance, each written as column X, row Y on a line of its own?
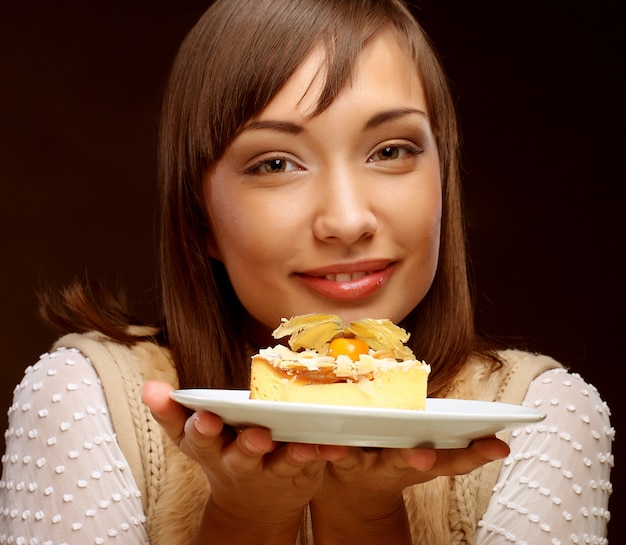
column 241, row 78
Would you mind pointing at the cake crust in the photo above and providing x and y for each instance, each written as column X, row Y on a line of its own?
column 398, row 387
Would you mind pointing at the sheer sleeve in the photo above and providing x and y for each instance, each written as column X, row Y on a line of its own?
column 554, row 487
column 65, row 479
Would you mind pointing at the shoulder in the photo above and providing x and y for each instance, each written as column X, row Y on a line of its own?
column 562, row 392
column 59, row 396
column 503, row 378
column 57, row 375
column 522, row 359
column 144, row 360
column 61, row 441
column 519, row 370
column 576, row 430
column 553, row 384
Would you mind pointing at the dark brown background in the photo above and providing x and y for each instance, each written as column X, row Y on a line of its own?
column 540, row 97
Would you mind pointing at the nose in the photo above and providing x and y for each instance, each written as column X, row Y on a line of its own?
column 345, row 214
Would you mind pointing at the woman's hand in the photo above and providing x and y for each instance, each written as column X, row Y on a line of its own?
column 255, row 482
column 389, row 471
column 361, row 497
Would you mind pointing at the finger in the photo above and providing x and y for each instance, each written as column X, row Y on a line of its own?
column 394, row 462
column 295, row 461
column 214, row 444
column 169, row 414
column 200, row 427
column 255, row 442
column 205, row 437
column 461, row 461
column 422, row 459
column 333, row 453
column 350, row 458
column 491, row 448
column 299, row 455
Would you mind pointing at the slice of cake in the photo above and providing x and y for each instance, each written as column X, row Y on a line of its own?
column 363, row 364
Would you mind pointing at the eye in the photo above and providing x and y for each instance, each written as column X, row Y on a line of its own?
column 393, row 152
column 273, row 165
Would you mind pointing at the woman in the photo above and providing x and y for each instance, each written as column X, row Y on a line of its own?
column 308, row 164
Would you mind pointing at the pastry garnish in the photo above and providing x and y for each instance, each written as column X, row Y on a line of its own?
column 317, row 331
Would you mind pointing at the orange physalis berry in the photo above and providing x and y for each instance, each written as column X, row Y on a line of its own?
column 352, row 348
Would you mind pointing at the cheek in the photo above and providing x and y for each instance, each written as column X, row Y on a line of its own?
column 251, row 234
column 243, row 237
column 423, row 247
column 430, row 231
column 416, row 214
column 252, row 223
column 233, row 218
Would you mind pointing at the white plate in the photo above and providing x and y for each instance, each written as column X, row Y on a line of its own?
column 445, row 423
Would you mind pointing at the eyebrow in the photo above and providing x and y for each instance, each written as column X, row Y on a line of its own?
column 280, row 126
column 391, row 115
column 289, row 127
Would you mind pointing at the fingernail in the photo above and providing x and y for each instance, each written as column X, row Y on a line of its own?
column 302, row 457
column 251, row 446
column 198, row 426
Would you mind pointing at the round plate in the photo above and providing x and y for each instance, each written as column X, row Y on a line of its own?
column 445, row 423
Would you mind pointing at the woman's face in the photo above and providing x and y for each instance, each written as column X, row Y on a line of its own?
column 338, row 213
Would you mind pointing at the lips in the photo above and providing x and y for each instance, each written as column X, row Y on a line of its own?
column 349, row 282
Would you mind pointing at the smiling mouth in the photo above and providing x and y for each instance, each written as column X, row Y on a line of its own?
column 346, row 277
column 347, row 285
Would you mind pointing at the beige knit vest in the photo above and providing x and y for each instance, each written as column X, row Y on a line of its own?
column 174, row 489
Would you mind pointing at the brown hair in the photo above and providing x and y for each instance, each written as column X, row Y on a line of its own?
column 229, row 67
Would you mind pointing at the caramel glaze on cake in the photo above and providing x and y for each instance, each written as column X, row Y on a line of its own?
column 388, row 377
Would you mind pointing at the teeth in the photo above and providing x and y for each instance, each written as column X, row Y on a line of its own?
column 345, row 277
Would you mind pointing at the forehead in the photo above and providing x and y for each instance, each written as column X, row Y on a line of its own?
column 384, row 71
